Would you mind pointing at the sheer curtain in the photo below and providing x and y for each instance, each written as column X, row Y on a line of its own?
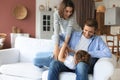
column 84, row 9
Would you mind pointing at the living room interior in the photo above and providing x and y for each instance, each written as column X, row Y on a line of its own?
column 27, row 25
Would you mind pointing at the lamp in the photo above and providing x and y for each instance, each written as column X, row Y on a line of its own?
column 112, row 16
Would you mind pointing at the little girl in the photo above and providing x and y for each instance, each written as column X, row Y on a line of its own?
column 71, row 61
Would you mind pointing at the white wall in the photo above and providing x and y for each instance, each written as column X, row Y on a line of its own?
column 109, row 4
column 52, row 3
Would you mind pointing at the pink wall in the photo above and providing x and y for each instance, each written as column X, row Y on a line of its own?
column 7, row 20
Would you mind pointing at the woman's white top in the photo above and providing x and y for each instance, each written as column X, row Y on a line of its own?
column 63, row 26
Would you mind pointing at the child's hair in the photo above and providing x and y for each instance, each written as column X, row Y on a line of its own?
column 82, row 56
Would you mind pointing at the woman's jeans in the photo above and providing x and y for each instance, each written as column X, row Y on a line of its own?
column 43, row 59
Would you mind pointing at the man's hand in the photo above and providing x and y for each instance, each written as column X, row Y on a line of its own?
column 70, row 50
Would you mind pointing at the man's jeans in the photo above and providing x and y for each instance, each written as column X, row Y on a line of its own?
column 56, row 67
column 82, row 69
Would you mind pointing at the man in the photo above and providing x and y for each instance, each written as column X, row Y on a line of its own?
column 85, row 40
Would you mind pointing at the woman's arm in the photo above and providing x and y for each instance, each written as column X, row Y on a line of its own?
column 56, row 51
column 56, row 35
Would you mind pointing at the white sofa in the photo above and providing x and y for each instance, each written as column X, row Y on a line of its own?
column 17, row 63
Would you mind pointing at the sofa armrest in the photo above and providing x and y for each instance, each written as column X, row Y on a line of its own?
column 8, row 56
column 103, row 69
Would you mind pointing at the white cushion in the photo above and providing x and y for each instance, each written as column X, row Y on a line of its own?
column 64, row 76
column 26, row 70
column 29, row 47
column 9, row 77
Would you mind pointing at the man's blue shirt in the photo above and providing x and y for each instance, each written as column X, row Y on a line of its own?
column 97, row 47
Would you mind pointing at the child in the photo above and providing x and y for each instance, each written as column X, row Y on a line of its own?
column 70, row 61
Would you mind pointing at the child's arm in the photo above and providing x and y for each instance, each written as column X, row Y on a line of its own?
column 62, row 55
column 57, row 49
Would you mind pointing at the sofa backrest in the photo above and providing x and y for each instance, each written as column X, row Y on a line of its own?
column 29, row 47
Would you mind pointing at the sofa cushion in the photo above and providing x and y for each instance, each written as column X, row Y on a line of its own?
column 64, row 76
column 29, row 47
column 9, row 77
column 26, row 70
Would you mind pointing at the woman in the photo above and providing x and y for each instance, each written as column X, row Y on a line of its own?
column 64, row 22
